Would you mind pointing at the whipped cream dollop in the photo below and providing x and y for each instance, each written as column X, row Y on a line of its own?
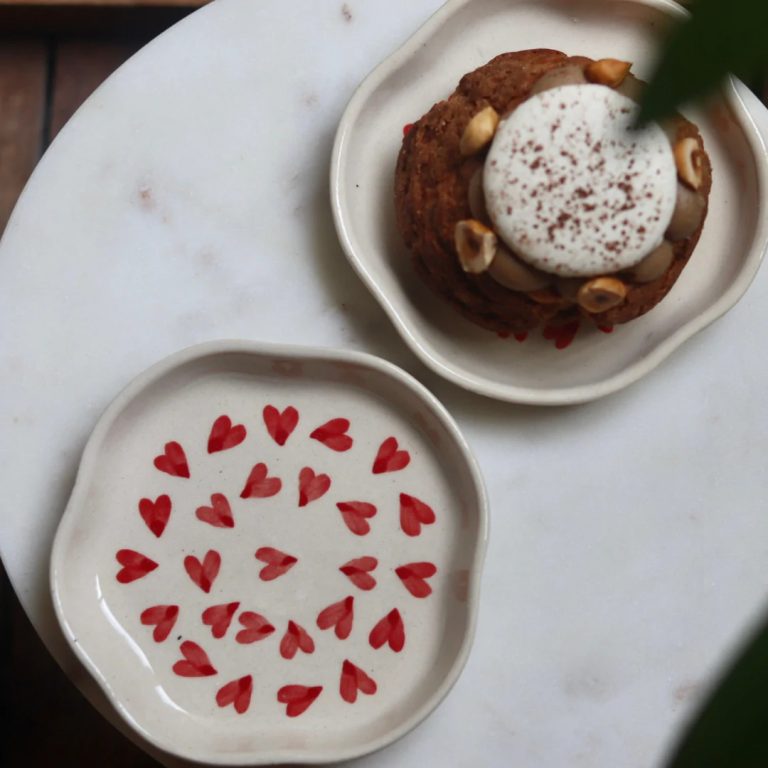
column 573, row 189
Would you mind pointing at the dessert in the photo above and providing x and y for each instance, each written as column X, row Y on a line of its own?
column 528, row 198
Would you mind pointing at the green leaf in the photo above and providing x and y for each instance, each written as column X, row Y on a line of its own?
column 719, row 36
column 731, row 731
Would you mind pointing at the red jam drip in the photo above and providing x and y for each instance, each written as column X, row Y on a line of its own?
column 562, row 335
column 407, row 128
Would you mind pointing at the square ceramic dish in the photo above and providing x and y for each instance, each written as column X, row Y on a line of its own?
column 463, row 35
column 272, row 554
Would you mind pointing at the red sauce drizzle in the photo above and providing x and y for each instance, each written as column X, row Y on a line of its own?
column 562, row 335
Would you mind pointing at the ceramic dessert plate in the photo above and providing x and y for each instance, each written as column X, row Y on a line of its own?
column 272, row 554
column 569, row 364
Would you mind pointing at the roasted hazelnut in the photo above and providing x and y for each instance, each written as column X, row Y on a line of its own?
column 601, row 294
column 479, row 131
column 689, row 159
column 475, row 244
column 610, row 72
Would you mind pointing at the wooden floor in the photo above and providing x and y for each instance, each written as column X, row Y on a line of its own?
column 50, row 61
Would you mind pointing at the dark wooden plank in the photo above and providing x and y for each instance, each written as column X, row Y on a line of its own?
column 23, row 65
column 80, row 66
column 121, row 21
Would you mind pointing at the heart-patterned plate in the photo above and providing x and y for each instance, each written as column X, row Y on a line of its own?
column 272, row 554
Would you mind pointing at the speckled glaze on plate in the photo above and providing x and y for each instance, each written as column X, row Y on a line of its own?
column 463, row 35
column 272, row 554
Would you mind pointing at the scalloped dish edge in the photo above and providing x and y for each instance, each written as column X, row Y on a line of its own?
column 85, row 473
column 522, row 394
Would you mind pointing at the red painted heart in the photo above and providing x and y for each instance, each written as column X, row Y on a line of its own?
column 135, row 565
column 219, row 617
column 298, row 698
column 156, row 513
column 277, row 562
column 389, row 630
column 389, row 458
column 174, row 461
column 358, row 571
column 312, row 486
column 205, row 573
column 295, row 638
column 256, row 628
column 259, row 486
column 195, row 663
column 280, row 425
column 219, row 514
column 238, row 692
column 333, row 435
column 353, row 679
column 413, row 514
column 355, row 514
column 339, row 615
column 162, row 618
column 224, row 435
column 413, row 575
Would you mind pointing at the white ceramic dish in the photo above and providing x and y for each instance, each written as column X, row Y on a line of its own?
column 463, row 35
column 255, row 571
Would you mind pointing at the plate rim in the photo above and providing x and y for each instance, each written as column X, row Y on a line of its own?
column 527, row 395
column 215, row 348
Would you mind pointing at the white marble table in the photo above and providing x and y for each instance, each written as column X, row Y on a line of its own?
column 629, row 542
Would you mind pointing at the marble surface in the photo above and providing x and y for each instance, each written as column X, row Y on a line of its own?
column 188, row 201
